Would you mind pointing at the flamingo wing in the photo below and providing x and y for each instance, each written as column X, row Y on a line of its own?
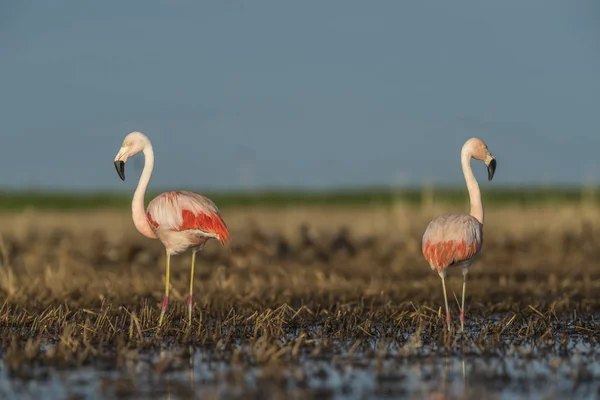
column 182, row 210
column 450, row 239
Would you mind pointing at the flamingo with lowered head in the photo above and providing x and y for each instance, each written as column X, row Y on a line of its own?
column 455, row 240
column 180, row 220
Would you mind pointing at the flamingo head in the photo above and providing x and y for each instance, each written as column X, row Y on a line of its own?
column 479, row 151
column 133, row 143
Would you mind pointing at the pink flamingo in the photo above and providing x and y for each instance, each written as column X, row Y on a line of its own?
column 454, row 240
column 180, row 220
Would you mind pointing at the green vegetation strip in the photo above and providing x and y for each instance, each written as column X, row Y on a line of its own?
column 12, row 200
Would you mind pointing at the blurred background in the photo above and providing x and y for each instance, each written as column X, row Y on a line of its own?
column 299, row 104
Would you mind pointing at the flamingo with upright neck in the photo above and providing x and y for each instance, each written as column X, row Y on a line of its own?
column 180, row 220
column 455, row 240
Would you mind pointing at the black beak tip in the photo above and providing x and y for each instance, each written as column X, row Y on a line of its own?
column 120, row 166
column 491, row 169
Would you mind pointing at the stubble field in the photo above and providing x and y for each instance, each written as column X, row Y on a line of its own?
column 308, row 301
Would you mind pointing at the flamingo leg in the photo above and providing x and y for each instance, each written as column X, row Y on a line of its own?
column 462, row 308
column 190, row 299
column 445, row 300
column 166, row 299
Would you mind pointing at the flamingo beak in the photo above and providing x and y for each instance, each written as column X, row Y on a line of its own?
column 491, row 167
column 120, row 166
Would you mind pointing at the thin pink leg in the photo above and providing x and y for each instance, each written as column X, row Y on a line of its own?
column 190, row 301
column 165, row 302
column 445, row 300
column 462, row 308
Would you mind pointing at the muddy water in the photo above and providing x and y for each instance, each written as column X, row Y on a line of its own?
column 523, row 373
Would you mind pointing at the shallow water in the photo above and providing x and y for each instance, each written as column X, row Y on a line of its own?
column 350, row 378
column 363, row 372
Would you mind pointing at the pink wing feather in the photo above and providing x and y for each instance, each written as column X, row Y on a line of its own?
column 183, row 210
column 450, row 239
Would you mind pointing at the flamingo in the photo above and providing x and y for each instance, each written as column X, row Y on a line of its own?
column 455, row 240
column 180, row 220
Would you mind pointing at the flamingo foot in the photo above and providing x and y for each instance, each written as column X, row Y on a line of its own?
column 165, row 303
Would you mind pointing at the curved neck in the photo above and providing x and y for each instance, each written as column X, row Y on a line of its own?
column 472, row 186
column 137, row 205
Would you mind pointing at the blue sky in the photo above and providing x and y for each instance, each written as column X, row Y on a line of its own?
column 314, row 94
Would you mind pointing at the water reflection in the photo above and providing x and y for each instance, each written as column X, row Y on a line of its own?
column 451, row 388
column 191, row 366
column 193, row 373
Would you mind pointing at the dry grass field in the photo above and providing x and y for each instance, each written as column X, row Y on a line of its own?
column 297, row 285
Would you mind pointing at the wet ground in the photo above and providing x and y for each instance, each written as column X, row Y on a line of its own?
column 299, row 310
column 416, row 366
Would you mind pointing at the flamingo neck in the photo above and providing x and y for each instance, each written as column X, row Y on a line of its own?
column 472, row 185
column 137, row 205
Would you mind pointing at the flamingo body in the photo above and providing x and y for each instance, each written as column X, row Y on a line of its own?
column 452, row 240
column 183, row 220
column 180, row 220
column 455, row 240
